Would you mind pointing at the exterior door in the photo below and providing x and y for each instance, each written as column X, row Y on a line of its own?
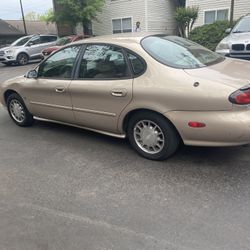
column 48, row 95
column 47, row 41
column 103, row 88
column 33, row 46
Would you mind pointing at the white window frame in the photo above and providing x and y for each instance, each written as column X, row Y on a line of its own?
column 117, row 18
column 216, row 13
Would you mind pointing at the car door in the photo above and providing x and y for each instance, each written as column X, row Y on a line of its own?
column 48, row 95
column 33, row 47
column 47, row 41
column 103, row 87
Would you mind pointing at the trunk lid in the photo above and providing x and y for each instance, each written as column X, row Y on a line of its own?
column 231, row 72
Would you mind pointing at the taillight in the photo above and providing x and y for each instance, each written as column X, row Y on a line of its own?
column 241, row 96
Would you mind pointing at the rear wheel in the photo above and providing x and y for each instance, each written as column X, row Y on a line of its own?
column 22, row 59
column 18, row 111
column 152, row 136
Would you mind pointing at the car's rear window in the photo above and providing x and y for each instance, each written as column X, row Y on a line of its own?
column 179, row 53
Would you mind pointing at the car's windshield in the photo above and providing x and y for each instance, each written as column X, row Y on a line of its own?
column 21, row 41
column 179, row 52
column 242, row 26
column 63, row 41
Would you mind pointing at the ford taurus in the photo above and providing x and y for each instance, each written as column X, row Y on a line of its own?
column 158, row 91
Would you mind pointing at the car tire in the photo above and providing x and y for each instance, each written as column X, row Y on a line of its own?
column 18, row 111
column 152, row 136
column 22, row 59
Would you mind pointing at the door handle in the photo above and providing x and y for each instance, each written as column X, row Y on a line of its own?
column 60, row 90
column 119, row 93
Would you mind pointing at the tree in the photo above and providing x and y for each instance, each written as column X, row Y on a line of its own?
column 47, row 16
column 186, row 18
column 32, row 16
column 73, row 12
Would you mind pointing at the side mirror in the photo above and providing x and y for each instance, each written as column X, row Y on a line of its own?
column 228, row 31
column 31, row 74
column 30, row 44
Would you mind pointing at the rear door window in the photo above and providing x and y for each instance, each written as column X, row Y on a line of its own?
column 103, row 62
column 48, row 39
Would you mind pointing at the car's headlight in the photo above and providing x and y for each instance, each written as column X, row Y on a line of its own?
column 223, row 46
column 9, row 51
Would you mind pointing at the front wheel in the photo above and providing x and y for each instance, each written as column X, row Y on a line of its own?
column 18, row 111
column 22, row 59
column 152, row 136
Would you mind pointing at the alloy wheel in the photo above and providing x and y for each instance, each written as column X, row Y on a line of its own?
column 149, row 137
column 17, row 111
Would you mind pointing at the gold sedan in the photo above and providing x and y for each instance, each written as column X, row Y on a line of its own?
column 159, row 91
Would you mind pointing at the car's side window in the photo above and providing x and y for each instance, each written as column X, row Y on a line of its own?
column 137, row 64
column 34, row 40
column 103, row 62
column 48, row 39
column 59, row 65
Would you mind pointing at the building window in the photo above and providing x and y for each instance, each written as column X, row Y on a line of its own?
column 122, row 25
column 215, row 15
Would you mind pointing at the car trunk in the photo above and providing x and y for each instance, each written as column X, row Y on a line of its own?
column 230, row 72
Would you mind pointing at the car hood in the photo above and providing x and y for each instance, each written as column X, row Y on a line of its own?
column 231, row 72
column 13, row 80
column 237, row 38
column 9, row 47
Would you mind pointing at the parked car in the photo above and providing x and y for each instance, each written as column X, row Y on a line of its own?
column 237, row 43
column 62, row 42
column 158, row 91
column 26, row 48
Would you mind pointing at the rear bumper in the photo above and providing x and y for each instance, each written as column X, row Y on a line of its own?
column 223, row 128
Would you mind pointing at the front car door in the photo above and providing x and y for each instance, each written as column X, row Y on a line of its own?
column 103, row 87
column 33, row 47
column 48, row 95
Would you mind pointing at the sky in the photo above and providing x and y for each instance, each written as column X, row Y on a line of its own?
column 10, row 9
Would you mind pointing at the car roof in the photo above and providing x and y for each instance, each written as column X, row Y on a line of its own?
column 135, row 37
column 246, row 16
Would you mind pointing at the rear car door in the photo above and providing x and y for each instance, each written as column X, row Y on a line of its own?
column 103, row 87
column 47, row 41
column 48, row 95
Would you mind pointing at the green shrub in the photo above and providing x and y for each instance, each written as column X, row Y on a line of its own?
column 210, row 35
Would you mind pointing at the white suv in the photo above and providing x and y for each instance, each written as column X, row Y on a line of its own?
column 26, row 48
column 237, row 43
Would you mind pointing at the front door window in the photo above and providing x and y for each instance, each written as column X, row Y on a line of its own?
column 60, row 65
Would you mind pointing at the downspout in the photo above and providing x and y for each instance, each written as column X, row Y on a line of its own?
column 146, row 15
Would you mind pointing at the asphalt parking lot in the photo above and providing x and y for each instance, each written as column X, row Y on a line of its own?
column 66, row 188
